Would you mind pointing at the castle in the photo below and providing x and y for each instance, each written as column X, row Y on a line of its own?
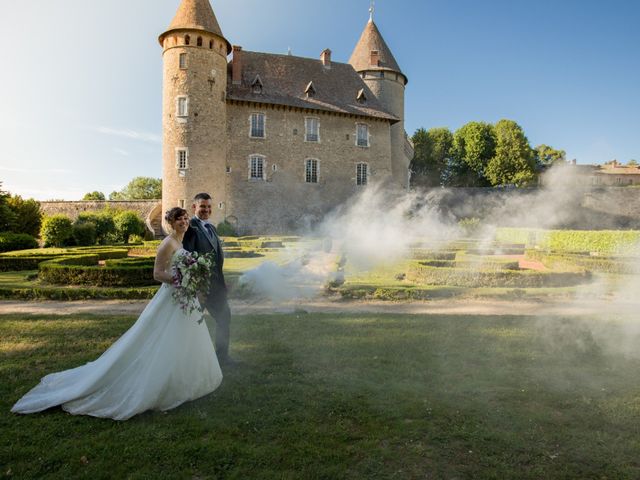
column 277, row 140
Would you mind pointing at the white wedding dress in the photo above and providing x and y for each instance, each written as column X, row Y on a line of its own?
column 165, row 359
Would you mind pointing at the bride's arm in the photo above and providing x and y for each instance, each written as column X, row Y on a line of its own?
column 160, row 267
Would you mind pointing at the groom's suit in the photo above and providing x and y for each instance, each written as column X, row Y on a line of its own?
column 201, row 239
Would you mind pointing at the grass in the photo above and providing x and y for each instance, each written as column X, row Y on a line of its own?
column 347, row 396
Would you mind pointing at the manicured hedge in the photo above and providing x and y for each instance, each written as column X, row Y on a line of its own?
column 493, row 264
column 462, row 277
column 20, row 263
column 621, row 242
column 77, row 293
column 83, row 270
column 604, row 264
column 426, row 254
column 16, row 241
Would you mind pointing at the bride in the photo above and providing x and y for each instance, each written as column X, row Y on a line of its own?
column 165, row 359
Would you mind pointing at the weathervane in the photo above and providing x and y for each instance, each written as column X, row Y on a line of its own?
column 371, row 10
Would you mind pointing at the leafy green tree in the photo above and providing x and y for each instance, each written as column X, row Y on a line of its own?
column 431, row 157
column 473, row 146
column 632, row 163
column 513, row 163
column 95, row 195
column 7, row 216
column 27, row 215
column 103, row 222
column 545, row 155
column 56, row 230
column 140, row 188
column 128, row 223
column 84, row 233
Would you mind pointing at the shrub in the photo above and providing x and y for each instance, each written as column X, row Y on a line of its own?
column 103, row 222
column 84, row 233
column 225, row 229
column 56, row 230
column 469, row 225
column 128, row 223
column 83, row 270
column 461, row 277
column 16, row 241
column 17, row 264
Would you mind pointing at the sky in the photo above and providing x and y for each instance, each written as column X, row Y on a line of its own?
column 81, row 80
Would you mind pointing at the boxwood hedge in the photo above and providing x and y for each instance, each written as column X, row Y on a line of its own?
column 84, row 270
column 464, row 277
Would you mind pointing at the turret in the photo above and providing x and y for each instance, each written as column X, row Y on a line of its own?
column 373, row 60
column 194, row 115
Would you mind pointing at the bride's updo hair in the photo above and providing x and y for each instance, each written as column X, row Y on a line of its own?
column 173, row 214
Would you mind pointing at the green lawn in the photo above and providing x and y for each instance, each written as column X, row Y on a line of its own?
column 348, row 396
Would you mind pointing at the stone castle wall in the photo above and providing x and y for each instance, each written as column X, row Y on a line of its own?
column 72, row 209
column 283, row 202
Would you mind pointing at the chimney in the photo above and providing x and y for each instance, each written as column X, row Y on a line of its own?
column 374, row 60
column 325, row 58
column 236, row 66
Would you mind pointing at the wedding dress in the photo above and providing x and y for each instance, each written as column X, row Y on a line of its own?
column 165, row 359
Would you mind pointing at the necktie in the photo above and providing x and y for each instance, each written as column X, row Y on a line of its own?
column 209, row 230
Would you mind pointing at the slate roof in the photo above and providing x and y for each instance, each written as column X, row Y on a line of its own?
column 285, row 78
column 196, row 15
column 371, row 39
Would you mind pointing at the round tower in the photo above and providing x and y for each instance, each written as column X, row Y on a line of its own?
column 373, row 60
column 194, row 114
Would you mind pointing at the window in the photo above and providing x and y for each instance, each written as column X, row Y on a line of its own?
column 256, row 167
column 257, row 125
column 182, row 160
column 181, row 203
column 311, row 170
column 361, row 173
column 183, row 61
column 312, row 129
column 199, row 41
column 183, row 106
column 187, row 39
column 362, row 135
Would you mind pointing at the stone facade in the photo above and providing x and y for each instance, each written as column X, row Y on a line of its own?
column 284, row 201
column 207, row 108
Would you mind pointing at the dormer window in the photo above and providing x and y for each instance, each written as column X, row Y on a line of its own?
column 361, row 97
column 256, row 85
column 310, row 90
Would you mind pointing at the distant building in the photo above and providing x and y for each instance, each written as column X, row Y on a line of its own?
column 277, row 140
column 614, row 174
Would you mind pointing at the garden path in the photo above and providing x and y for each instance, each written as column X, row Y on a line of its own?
column 329, row 305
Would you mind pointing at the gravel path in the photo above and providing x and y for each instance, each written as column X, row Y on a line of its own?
column 328, row 305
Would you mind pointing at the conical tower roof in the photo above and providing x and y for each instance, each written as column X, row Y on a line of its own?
column 196, row 15
column 370, row 40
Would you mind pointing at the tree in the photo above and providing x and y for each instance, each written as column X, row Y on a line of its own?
column 95, row 195
column 513, row 162
column 431, row 157
column 103, row 222
column 473, row 147
column 128, row 223
column 7, row 216
column 27, row 215
column 140, row 188
column 56, row 230
column 632, row 163
column 545, row 155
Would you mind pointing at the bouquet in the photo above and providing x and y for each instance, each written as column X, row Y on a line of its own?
column 192, row 276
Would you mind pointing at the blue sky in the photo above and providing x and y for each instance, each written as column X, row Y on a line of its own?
column 80, row 85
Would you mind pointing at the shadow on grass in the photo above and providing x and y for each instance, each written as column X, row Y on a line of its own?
column 350, row 396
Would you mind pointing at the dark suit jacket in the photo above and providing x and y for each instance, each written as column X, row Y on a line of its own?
column 196, row 240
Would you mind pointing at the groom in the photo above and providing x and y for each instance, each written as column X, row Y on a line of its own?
column 202, row 237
